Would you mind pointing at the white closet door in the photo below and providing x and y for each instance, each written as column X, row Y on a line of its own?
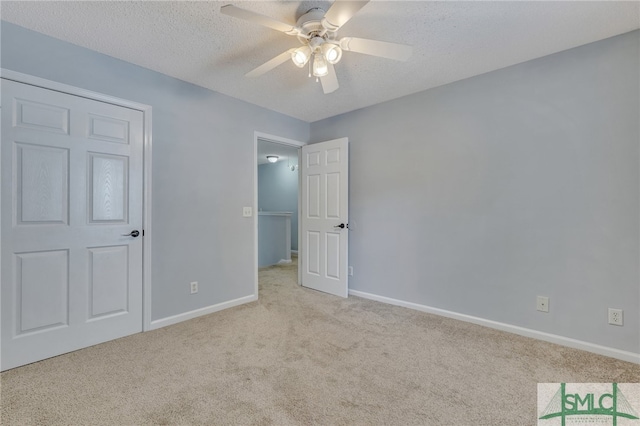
column 71, row 191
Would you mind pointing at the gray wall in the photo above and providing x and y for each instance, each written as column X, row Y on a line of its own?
column 278, row 192
column 477, row 196
column 199, row 233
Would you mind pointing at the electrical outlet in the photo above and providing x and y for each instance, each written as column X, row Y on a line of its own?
column 194, row 287
column 350, row 271
column 247, row 211
column 542, row 303
column 615, row 316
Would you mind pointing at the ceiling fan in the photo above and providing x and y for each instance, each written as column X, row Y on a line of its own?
column 317, row 32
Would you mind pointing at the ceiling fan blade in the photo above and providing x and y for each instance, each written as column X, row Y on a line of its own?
column 330, row 81
column 257, row 18
column 399, row 52
column 271, row 64
column 340, row 12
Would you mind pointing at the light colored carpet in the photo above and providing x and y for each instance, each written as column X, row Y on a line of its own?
column 302, row 357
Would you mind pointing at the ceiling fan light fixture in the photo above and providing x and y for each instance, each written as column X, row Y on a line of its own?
column 301, row 56
column 320, row 67
column 332, row 53
column 272, row 158
column 316, row 31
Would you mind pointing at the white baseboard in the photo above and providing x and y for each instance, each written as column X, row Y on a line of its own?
column 527, row 332
column 283, row 261
column 163, row 322
column 294, row 252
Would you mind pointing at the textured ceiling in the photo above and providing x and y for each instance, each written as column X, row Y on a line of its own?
column 452, row 40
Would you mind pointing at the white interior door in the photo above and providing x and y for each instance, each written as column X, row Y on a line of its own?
column 325, row 215
column 71, row 191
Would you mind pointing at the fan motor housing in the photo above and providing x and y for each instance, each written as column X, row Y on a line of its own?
column 310, row 23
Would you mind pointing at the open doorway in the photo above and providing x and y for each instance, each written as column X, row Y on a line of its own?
column 277, row 202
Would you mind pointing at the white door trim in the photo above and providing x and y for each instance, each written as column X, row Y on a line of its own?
column 271, row 138
column 146, row 203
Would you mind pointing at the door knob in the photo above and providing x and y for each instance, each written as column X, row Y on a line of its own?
column 133, row 233
column 341, row 226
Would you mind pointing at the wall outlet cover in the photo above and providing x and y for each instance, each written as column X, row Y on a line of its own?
column 194, row 287
column 615, row 316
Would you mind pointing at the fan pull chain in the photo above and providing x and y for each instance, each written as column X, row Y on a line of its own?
column 309, row 69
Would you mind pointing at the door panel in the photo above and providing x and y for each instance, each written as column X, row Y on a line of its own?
column 71, row 189
column 333, row 196
column 108, row 129
column 41, row 306
column 313, row 196
column 313, row 253
column 42, row 177
column 324, row 207
column 108, row 190
column 108, row 281
column 333, row 255
column 39, row 116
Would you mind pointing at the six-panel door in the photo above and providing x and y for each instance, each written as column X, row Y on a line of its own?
column 71, row 191
column 324, row 207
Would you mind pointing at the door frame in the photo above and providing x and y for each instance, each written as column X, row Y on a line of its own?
column 146, row 167
column 283, row 141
